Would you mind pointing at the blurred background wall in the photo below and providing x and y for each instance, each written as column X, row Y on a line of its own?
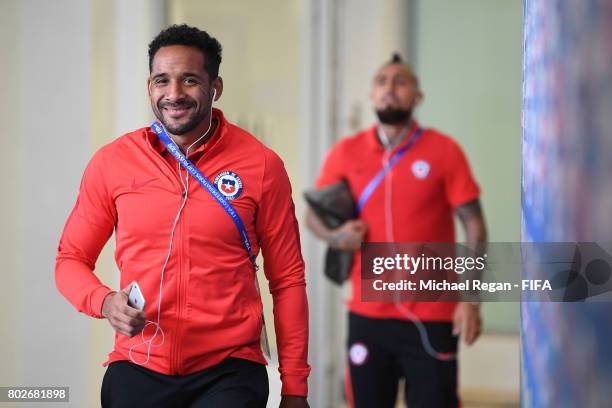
column 567, row 162
column 46, row 116
column 297, row 74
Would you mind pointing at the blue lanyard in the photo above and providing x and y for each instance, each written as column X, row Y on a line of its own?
column 193, row 170
column 373, row 184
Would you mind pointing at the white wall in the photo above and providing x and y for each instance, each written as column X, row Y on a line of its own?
column 9, row 185
column 47, row 141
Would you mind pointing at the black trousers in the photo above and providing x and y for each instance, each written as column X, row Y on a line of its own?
column 381, row 351
column 232, row 383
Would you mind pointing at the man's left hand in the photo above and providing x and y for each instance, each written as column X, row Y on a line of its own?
column 290, row 401
column 467, row 322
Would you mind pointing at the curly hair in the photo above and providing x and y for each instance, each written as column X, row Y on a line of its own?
column 191, row 37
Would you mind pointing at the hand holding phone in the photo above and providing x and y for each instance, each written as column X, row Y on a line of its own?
column 136, row 298
column 124, row 314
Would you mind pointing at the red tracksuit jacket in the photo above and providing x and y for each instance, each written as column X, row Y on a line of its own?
column 210, row 307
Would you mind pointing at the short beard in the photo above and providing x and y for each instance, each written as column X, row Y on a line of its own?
column 192, row 122
column 392, row 116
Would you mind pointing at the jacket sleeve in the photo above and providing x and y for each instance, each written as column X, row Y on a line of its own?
column 278, row 235
column 87, row 230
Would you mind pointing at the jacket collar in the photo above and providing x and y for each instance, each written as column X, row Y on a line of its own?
column 375, row 144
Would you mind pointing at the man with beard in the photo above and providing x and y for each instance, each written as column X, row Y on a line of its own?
column 191, row 200
column 427, row 180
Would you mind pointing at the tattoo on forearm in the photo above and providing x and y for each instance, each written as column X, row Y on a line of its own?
column 469, row 211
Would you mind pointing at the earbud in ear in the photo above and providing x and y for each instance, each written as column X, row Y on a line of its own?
column 214, row 94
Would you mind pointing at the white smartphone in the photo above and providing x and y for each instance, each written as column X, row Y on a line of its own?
column 135, row 298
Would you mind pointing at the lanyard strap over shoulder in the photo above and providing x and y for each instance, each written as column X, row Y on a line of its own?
column 375, row 182
column 208, row 186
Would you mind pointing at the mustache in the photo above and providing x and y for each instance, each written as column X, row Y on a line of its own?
column 177, row 105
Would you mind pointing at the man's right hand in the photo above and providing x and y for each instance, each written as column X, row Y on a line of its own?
column 123, row 318
column 349, row 236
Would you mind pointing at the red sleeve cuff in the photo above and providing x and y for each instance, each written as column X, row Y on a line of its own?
column 466, row 198
column 97, row 300
column 296, row 385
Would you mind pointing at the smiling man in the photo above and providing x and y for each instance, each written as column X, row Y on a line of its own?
column 428, row 180
column 192, row 200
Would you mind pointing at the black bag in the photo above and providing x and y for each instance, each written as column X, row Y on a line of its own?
column 334, row 205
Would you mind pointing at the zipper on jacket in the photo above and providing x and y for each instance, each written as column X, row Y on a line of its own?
column 179, row 298
column 176, row 365
column 388, row 197
column 173, row 358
